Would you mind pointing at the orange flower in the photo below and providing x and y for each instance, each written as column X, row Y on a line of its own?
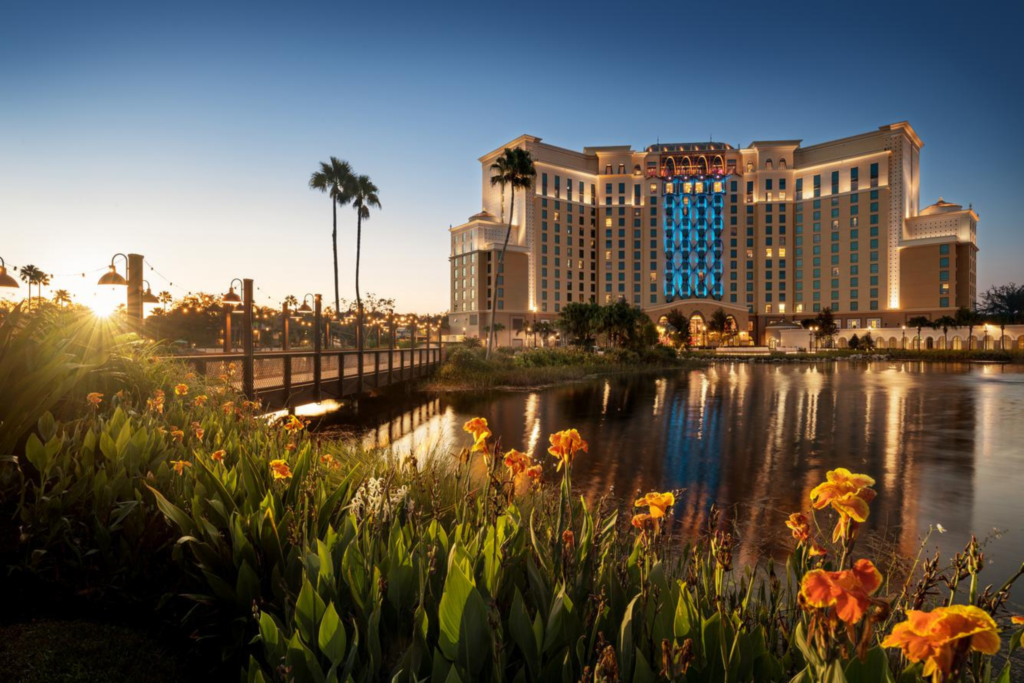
column 189, row 376
column 94, row 399
column 1019, row 621
column 218, row 456
column 564, row 446
column 934, row 637
column 280, row 469
column 329, row 461
column 848, row 592
column 849, row 495
column 477, row 427
column 181, row 390
column 815, row 549
column 228, row 407
column 177, row 434
column 568, row 539
column 200, row 400
column 642, row 521
column 516, row 462
column 199, row 433
column 180, row 465
column 658, row 503
column 800, row 527
column 290, row 446
column 293, row 424
column 535, row 473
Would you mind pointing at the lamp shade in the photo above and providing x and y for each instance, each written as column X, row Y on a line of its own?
column 231, row 297
column 112, row 277
column 6, row 280
column 305, row 309
column 149, row 298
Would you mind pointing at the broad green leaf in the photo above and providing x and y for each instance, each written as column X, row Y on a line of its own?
column 332, row 636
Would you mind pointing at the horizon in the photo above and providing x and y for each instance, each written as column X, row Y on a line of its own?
column 189, row 133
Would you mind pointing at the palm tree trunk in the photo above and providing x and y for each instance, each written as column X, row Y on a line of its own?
column 497, row 270
column 359, row 299
column 334, row 240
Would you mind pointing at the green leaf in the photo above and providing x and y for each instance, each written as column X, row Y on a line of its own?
column 332, row 636
column 464, row 634
column 643, row 672
column 186, row 526
column 873, row 669
column 309, row 611
column 522, row 632
column 626, row 647
column 682, row 626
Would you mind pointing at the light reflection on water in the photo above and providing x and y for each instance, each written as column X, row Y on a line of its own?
column 943, row 441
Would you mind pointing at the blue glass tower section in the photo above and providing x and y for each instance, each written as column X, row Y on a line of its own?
column 693, row 223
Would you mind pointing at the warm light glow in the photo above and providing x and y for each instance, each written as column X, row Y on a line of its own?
column 105, row 300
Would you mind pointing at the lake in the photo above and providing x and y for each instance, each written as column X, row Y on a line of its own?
column 944, row 442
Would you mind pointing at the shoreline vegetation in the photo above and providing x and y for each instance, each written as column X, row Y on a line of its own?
column 134, row 486
column 467, row 370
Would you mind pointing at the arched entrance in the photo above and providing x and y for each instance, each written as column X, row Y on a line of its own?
column 698, row 330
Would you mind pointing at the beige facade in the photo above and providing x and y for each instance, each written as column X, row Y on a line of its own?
column 769, row 232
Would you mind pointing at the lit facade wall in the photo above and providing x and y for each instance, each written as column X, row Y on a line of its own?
column 694, row 220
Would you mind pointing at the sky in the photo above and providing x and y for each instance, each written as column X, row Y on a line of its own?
column 187, row 132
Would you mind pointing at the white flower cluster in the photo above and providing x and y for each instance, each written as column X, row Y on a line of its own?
column 374, row 500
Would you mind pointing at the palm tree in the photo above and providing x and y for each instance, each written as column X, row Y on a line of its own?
column 364, row 196
column 919, row 321
column 291, row 301
column 513, row 169
column 165, row 298
column 945, row 323
column 335, row 178
column 1004, row 304
column 966, row 317
column 34, row 276
column 62, row 296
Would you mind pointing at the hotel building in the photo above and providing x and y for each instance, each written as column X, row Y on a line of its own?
column 772, row 233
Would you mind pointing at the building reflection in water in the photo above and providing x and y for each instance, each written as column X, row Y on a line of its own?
column 941, row 440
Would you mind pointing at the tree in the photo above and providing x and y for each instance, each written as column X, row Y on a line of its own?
column 364, row 197
column 1004, row 305
column 966, row 317
column 545, row 329
column 678, row 321
column 335, row 178
column 826, row 324
column 945, row 323
column 165, row 297
column 854, row 342
column 718, row 323
column 919, row 322
column 61, row 297
column 34, row 276
column 291, row 301
column 579, row 322
column 617, row 320
column 867, row 343
column 513, row 169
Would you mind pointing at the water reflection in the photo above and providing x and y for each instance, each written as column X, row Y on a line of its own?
column 942, row 441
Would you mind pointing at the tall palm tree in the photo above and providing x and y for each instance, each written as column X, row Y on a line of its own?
column 364, row 197
column 335, row 178
column 919, row 322
column 33, row 276
column 945, row 323
column 513, row 169
column 969, row 318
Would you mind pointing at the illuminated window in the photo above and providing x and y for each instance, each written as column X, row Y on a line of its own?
column 654, row 276
column 718, row 186
column 608, row 222
column 654, row 188
column 782, row 308
column 782, row 196
column 700, row 187
column 768, row 252
column 768, row 196
column 687, row 188
column 782, row 252
column 767, row 308
column 669, row 188
column 799, row 308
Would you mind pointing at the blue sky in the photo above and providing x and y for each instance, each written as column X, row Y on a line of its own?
column 187, row 131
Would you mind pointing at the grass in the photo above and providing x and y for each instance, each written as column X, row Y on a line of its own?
column 467, row 369
column 77, row 651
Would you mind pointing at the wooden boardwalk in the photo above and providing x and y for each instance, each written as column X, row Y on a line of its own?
column 285, row 379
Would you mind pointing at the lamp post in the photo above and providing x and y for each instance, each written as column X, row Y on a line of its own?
column 903, row 343
column 533, row 309
column 6, row 281
column 232, row 304
column 984, row 341
column 810, row 338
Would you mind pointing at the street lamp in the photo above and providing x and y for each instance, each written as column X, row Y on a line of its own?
column 904, row 342
column 305, row 308
column 5, row 279
column 112, row 277
column 231, row 298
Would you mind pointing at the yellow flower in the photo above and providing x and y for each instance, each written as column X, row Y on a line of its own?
column 218, row 456
column 180, row 465
column 189, row 376
column 94, row 399
column 848, row 592
column 1016, row 620
column 935, row 637
column 535, row 473
column 658, row 503
column 477, row 427
column 642, row 521
column 200, row 400
column 815, row 549
column 181, row 390
column 177, row 434
column 849, row 495
column 516, row 462
column 228, row 407
column 330, row 461
column 800, row 527
column 199, row 433
column 280, row 469
column 564, row 446
column 293, row 424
